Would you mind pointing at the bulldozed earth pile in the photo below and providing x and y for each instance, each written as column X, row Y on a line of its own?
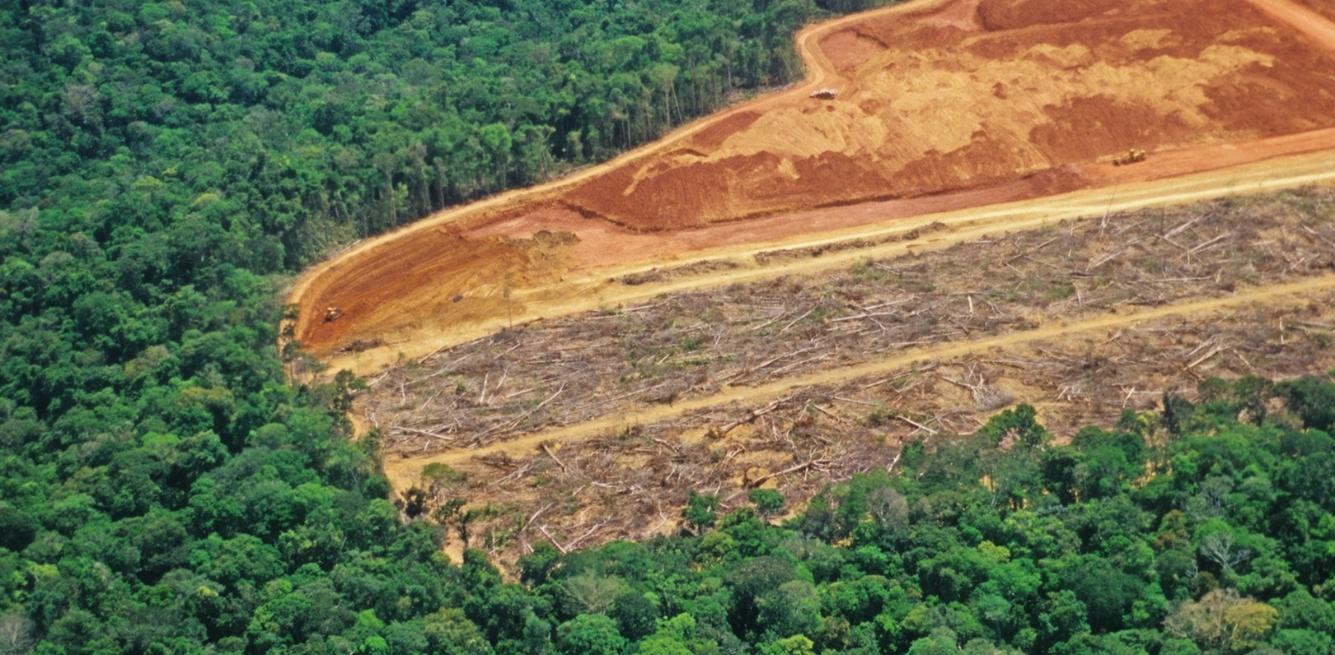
column 954, row 103
column 979, row 93
column 595, row 426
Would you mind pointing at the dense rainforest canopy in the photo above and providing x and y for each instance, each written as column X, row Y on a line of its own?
column 284, row 123
column 163, row 489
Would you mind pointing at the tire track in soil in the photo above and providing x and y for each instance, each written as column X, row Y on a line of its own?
column 1300, row 18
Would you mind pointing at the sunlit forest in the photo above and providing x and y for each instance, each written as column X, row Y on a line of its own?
column 165, row 167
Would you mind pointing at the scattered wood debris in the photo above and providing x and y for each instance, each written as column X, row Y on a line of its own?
column 632, row 482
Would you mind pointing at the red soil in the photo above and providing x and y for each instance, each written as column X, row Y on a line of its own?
column 1324, row 7
column 951, row 99
column 964, row 103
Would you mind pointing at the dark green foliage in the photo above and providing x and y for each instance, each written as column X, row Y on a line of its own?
column 636, row 616
column 1312, row 400
column 163, row 489
column 1106, row 592
column 174, row 138
column 162, row 166
column 768, row 502
column 701, row 511
column 590, row 634
column 1019, row 424
column 1125, row 541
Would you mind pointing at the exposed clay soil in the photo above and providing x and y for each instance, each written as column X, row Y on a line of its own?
column 1324, row 7
column 929, row 104
column 689, row 345
column 487, row 265
column 941, row 105
column 593, row 427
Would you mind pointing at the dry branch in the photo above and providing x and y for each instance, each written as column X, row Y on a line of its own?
column 791, row 469
column 556, row 459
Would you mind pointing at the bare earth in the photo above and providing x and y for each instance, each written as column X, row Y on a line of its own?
column 608, row 418
column 942, row 106
column 786, row 293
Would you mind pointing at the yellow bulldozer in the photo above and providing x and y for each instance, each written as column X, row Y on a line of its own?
column 1132, row 156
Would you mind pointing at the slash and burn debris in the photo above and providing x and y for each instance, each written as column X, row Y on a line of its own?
column 631, row 482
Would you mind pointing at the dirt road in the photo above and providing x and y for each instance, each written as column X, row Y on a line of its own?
column 403, row 473
column 466, row 271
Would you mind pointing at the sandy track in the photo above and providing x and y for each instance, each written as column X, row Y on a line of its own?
column 1324, row 7
column 403, row 472
column 410, row 281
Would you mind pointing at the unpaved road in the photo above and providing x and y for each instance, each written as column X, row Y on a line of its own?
column 429, row 285
column 403, row 473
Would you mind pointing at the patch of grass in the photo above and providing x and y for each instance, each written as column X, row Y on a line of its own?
column 1154, row 265
column 1039, row 289
column 1058, row 290
column 689, row 362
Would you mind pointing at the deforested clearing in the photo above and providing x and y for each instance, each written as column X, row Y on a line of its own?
column 1083, row 319
column 914, row 108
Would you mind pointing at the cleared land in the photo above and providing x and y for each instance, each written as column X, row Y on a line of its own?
column 630, row 484
column 940, row 106
column 616, row 414
column 978, row 94
column 788, row 292
column 1325, row 8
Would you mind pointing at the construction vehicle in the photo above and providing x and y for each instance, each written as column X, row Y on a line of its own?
column 332, row 313
column 1132, row 156
column 825, row 94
